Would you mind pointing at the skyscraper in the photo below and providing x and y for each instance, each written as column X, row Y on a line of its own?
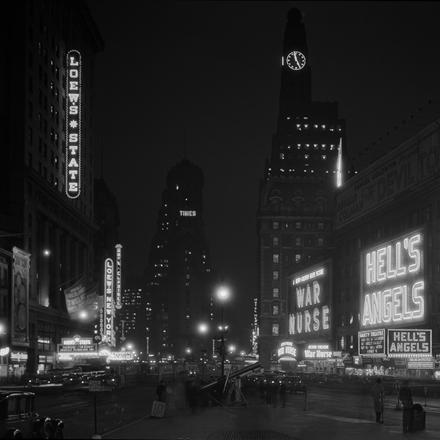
column 179, row 273
column 46, row 170
column 295, row 212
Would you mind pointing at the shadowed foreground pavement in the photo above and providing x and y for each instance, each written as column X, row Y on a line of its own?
column 260, row 421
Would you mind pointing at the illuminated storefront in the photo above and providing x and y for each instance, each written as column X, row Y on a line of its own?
column 387, row 265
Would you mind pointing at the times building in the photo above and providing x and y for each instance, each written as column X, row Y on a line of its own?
column 179, row 276
column 296, row 209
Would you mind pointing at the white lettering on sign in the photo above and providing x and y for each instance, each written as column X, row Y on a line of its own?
column 409, row 342
column 108, row 283
column 118, row 304
column 188, row 213
column 308, row 302
column 393, row 282
column 73, row 124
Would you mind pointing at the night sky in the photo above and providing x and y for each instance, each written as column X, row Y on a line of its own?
column 213, row 68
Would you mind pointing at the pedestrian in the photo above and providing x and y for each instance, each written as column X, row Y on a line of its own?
column 283, row 389
column 405, row 396
column 268, row 390
column 378, row 392
column 161, row 391
column 275, row 388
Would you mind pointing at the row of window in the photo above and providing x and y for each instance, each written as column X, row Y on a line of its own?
column 298, row 225
column 308, row 146
column 305, row 157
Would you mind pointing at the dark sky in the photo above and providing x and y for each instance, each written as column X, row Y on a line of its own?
column 213, row 68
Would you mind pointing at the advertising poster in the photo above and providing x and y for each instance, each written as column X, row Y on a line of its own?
column 309, row 294
column 393, row 289
column 372, row 343
column 20, row 298
column 409, row 343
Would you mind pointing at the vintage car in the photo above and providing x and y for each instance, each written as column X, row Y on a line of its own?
column 295, row 384
column 19, row 420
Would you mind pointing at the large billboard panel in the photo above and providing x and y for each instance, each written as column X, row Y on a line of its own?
column 410, row 166
column 393, row 288
column 309, row 303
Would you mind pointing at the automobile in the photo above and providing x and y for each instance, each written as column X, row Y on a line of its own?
column 295, row 384
column 109, row 380
column 19, row 420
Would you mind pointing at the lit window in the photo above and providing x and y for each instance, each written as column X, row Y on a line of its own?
column 276, row 258
column 275, row 310
column 281, row 155
column 324, row 157
column 306, row 156
column 275, row 225
column 323, row 127
column 275, row 329
column 276, row 292
column 275, row 275
column 275, row 241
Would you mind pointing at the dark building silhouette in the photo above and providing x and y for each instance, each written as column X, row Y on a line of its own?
column 179, row 275
column 308, row 162
column 36, row 215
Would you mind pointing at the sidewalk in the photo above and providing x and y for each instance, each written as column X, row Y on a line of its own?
column 259, row 421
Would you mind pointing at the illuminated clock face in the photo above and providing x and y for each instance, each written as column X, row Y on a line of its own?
column 296, row 60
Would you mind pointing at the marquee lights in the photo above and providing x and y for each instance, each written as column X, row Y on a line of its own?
column 393, row 286
column 73, row 124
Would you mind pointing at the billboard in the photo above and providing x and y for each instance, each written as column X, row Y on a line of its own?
column 410, row 166
column 409, row 343
column 372, row 343
column 308, row 303
column 393, row 290
column 20, row 302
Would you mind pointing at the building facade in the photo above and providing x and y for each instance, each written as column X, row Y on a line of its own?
column 295, row 212
column 180, row 279
column 47, row 179
column 386, row 300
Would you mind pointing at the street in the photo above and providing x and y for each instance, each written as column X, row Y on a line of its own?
column 337, row 412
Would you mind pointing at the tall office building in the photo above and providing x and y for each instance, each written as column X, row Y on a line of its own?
column 179, row 274
column 295, row 212
column 46, row 174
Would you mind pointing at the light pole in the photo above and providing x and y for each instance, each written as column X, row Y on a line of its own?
column 203, row 328
column 223, row 294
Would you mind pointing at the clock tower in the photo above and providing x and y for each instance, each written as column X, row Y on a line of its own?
column 295, row 212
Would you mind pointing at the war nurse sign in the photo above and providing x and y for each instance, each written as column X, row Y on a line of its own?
column 73, row 124
column 309, row 303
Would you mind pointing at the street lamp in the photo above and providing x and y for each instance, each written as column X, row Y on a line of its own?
column 223, row 294
column 203, row 328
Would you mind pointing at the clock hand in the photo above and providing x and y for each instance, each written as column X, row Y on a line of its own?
column 296, row 59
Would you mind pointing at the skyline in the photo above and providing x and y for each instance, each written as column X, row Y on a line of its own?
column 212, row 70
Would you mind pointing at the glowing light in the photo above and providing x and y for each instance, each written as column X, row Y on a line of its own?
column 108, row 315
column 393, row 286
column 339, row 165
column 73, row 124
column 118, row 304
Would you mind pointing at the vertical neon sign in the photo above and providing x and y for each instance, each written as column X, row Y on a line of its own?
column 339, row 165
column 118, row 276
column 73, row 124
column 108, row 283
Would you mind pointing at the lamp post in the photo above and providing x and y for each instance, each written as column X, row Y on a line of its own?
column 203, row 328
column 223, row 294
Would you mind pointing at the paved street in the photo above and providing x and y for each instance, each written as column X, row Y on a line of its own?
column 329, row 414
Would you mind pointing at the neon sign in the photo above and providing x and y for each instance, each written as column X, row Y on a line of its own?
column 393, row 286
column 118, row 276
column 73, row 124
column 308, row 303
column 108, row 283
column 287, row 349
column 404, row 343
column 318, row 351
column 188, row 213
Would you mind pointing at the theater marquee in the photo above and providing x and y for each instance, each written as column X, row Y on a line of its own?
column 393, row 282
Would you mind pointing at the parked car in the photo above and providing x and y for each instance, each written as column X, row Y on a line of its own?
column 109, row 380
column 295, row 384
column 18, row 419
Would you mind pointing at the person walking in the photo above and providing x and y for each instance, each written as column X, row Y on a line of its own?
column 283, row 394
column 161, row 391
column 378, row 392
column 405, row 396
